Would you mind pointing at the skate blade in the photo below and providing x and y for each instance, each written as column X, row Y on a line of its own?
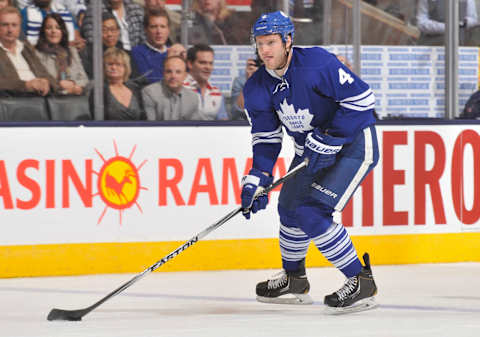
column 362, row 305
column 299, row 299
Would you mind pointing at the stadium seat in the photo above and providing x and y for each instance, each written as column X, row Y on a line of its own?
column 69, row 108
column 23, row 109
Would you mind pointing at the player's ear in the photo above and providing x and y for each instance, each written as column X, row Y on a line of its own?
column 288, row 42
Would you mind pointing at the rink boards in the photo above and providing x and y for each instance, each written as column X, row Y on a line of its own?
column 83, row 200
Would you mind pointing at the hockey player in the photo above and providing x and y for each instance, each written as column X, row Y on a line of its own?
column 328, row 112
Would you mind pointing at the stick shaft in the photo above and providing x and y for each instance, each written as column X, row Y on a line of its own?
column 82, row 312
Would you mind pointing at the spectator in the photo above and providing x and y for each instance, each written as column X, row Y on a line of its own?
column 149, row 56
column 129, row 16
column 431, row 15
column 215, row 24
column 169, row 99
column 200, row 63
column 5, row 3
column 110, row 38
column 76, row 7
column 61, row 61
column 33, row 15
column 21, row 70
column 177, row 49
column 237, row 87
column 122, row 99
column 174, row 17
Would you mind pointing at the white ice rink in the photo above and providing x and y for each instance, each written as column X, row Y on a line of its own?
column 434, row 300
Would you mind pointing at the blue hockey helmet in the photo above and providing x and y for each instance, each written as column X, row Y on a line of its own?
column 273, row 23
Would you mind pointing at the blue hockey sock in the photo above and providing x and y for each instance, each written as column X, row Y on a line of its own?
column 293, row 246
column 336, row 246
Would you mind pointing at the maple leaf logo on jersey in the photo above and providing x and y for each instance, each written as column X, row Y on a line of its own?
column 295, row 121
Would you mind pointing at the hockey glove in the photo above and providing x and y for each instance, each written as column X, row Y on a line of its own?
column 321, row 150
column 253, row 185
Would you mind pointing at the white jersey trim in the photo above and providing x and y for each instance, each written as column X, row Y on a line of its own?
column 368, row 160
column 361, row 104
column 275, row 136
column 358, row 97
column 299, row 149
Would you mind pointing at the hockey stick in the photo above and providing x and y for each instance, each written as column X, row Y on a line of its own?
column 76, row 315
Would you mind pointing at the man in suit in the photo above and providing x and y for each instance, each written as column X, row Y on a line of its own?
column 169, row 99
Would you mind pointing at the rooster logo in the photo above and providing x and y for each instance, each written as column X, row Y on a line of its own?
column 115, row 188
column 119, row 182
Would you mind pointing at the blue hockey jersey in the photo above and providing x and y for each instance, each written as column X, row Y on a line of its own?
column 316, row 91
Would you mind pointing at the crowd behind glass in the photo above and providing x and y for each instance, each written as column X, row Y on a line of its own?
column 46, row 51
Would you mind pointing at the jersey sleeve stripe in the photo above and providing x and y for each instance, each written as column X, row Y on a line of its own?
column 358, row 108
column 270, row 141
column 275, row 136
column 298, row 149
column 358, row 97
column 268, row 133
column 361, row 104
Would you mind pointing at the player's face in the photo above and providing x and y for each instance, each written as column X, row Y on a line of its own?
column 53, row 33
column 157, row 31
column 202, row 67
column 9, row 28
column 174, row 74
column 271, row 50
column 110, row 32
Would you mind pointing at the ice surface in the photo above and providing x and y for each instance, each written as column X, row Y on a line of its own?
column 432, row 300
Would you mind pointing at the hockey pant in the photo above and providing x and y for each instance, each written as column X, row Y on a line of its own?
column 306, row 206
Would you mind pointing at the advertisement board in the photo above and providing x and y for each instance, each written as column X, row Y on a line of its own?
column 85, row 185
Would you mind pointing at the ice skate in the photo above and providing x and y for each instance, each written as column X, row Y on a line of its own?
column 357, row 294
column 284, row 288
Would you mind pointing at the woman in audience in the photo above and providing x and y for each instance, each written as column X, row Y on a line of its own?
column 60, row 60
column 122, row 98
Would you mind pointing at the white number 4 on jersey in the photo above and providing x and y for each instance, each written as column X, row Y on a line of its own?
column 343, row 77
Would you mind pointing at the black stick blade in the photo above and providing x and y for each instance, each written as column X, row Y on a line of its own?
column 66, row 315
